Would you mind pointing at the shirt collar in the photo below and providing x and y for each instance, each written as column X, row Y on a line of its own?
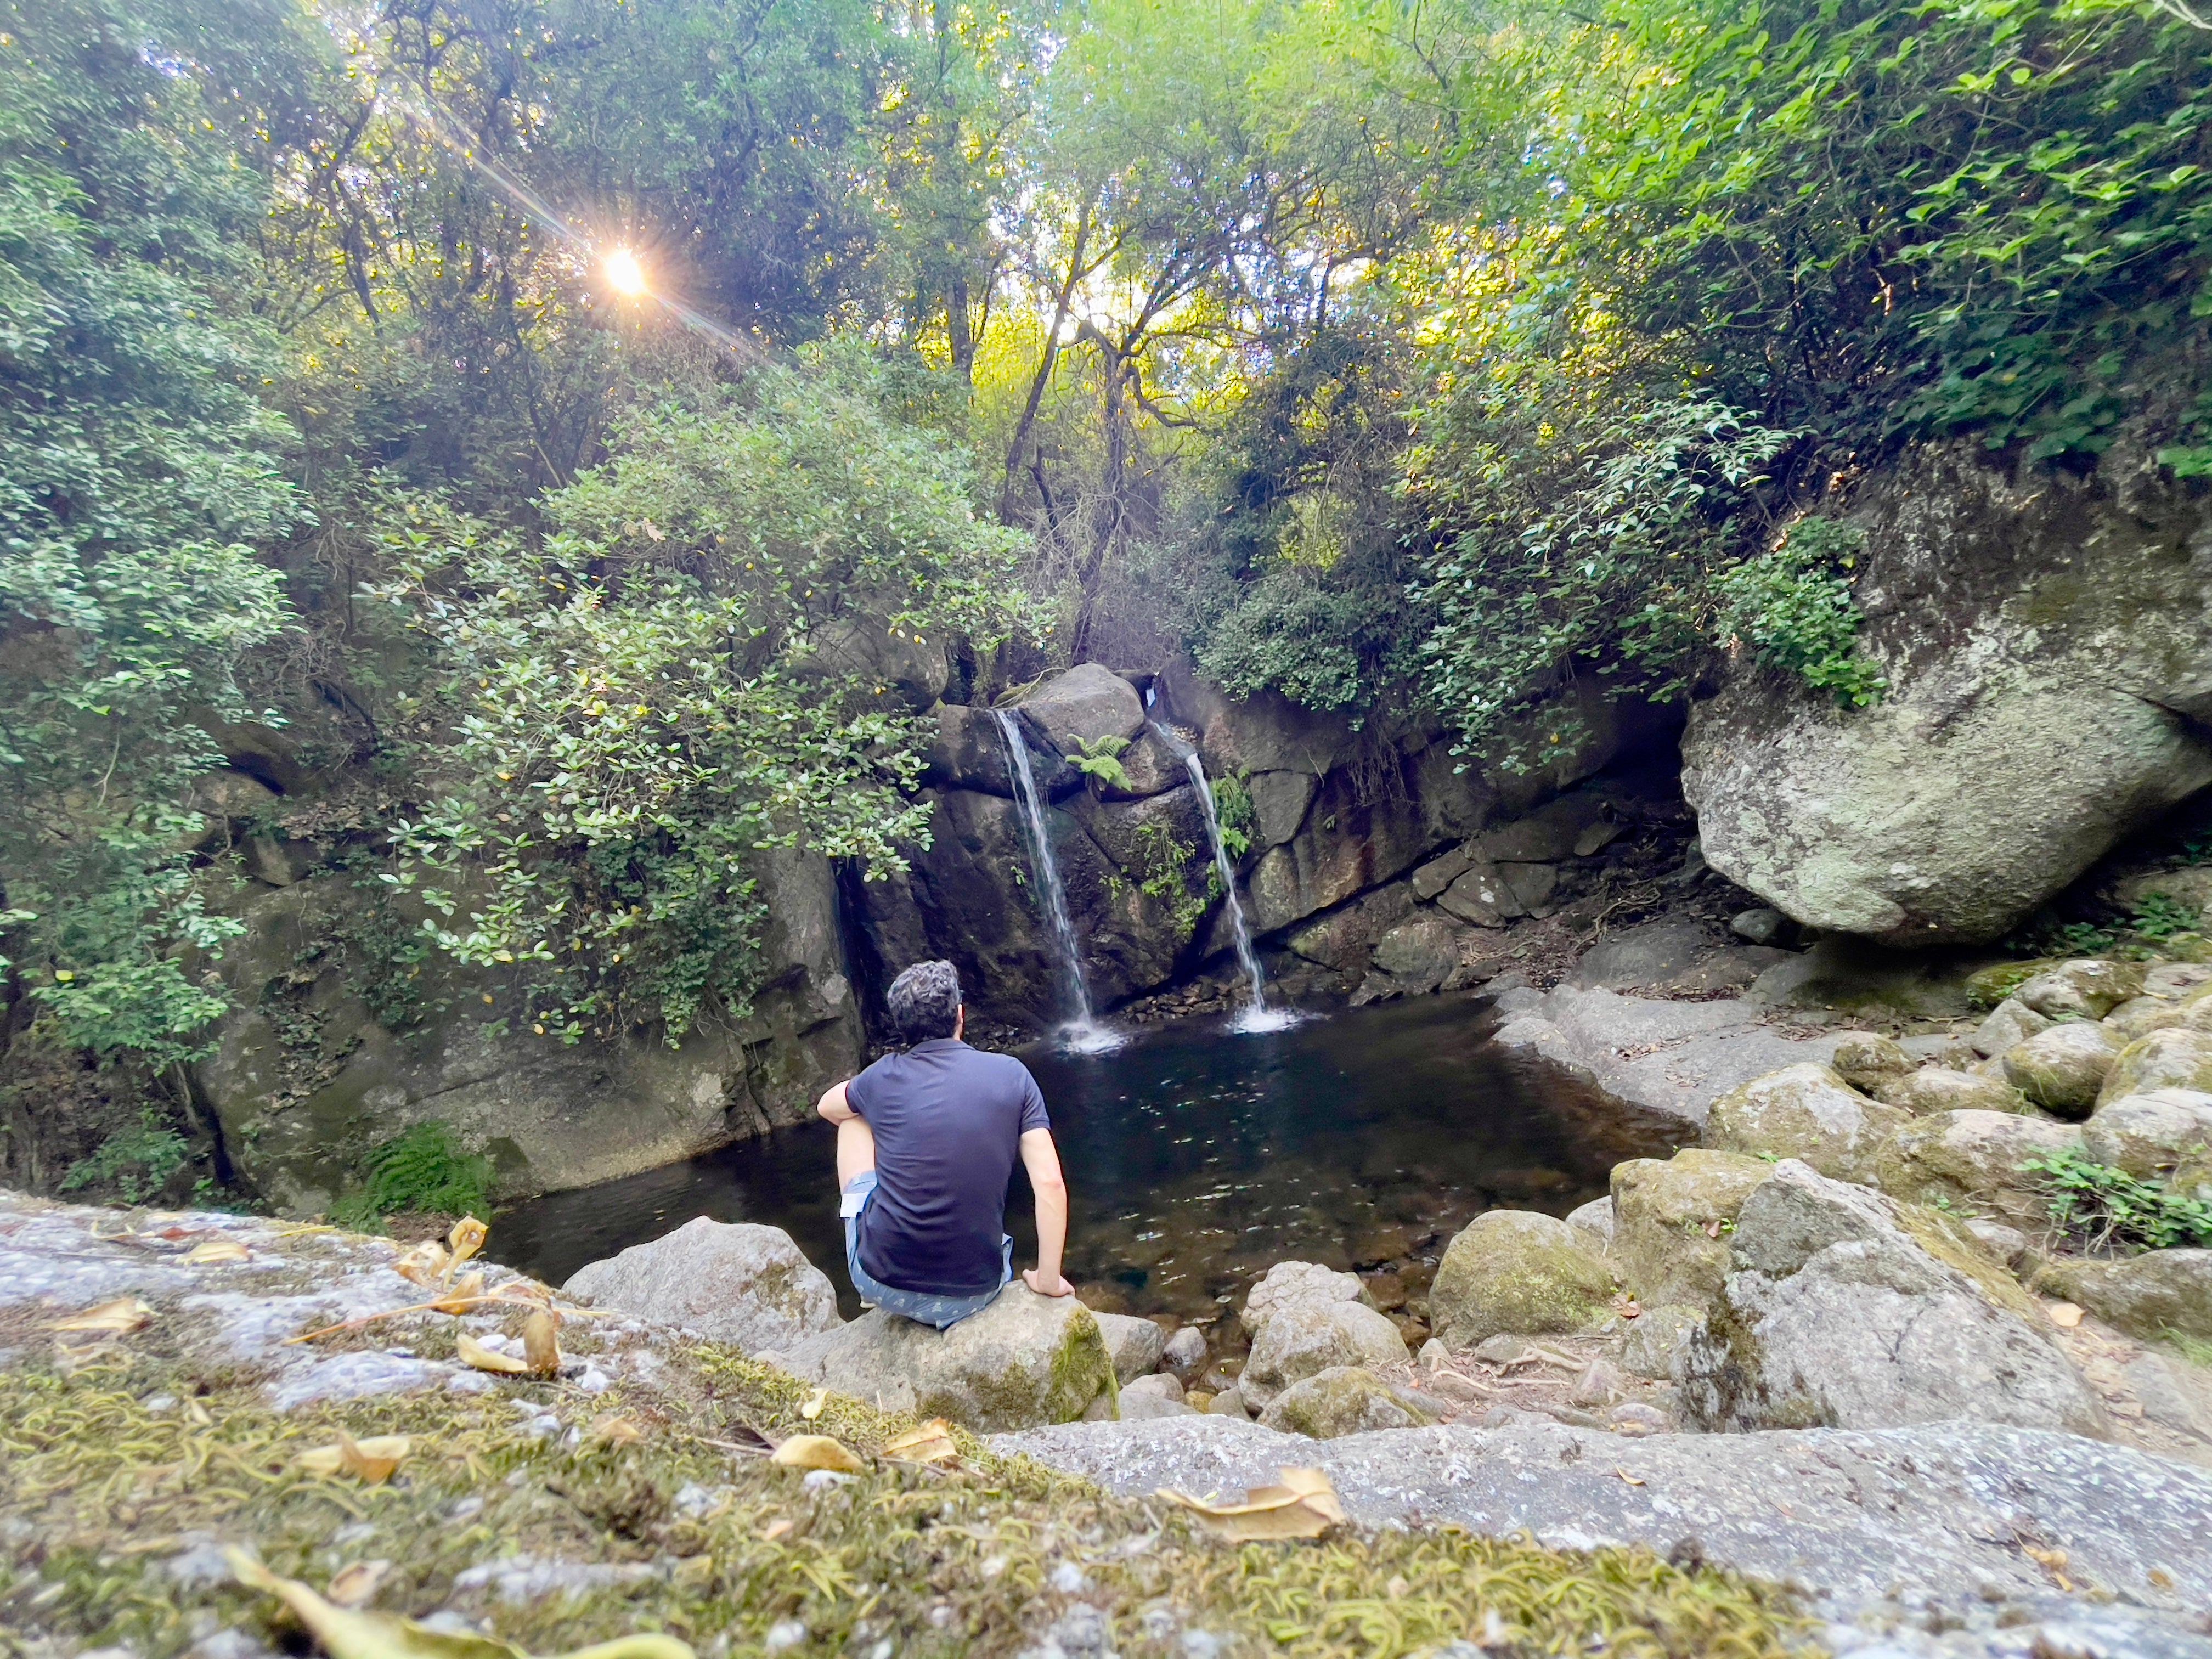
column 936, row 1045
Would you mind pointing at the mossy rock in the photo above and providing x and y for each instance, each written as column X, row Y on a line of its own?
column 2174, row 1058
column 1340, row 1401
column 1672, row 1219
column 1991, row 986
column 1806, row 1112
column 1970, row 1162
column 1516, row 1271
column 2063, row 1069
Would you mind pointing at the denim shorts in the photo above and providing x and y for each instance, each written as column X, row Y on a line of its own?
column 917, row 1305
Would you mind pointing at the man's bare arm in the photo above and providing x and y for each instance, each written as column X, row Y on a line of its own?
column 1042, row 1159
column 834, row 1106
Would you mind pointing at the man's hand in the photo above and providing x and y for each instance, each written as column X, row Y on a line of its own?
column 1055, row 1285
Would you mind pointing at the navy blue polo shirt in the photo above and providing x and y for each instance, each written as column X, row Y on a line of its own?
column 948, row 1121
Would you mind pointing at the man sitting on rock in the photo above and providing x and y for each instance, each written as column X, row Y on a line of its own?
column 925, row 1142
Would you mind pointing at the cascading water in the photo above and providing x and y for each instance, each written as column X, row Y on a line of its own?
column 1257, row 1015
column 1084, row 1033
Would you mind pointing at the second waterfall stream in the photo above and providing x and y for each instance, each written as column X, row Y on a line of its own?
column 1083, row 1033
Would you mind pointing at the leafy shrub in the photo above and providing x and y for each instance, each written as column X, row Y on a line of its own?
column 424, row 1168
column 1233, row 811
column 2099, row 1205
column 2161, row 916
column 135, row 1162
column 1796, row 611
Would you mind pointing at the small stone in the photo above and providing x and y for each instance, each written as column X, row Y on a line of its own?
column 1596, row 1219
column 1598, row 1385
column 2008, row 1244
column 1229, row 1402
column 1760, row 926
column 2087, row 988
column 1185, row 1352
column 1635, row 1419
column 1500, row 1350
column 2010, row 1024
column 1343, row 1399
column 1162, row 1385
column 1134, row 1345
column 1864, row 1058
column 1433, row 1353
column 1068, row 1579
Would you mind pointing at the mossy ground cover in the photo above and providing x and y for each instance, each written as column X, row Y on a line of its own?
column 113, row 1504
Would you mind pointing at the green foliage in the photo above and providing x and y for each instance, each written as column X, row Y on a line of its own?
column 1233, row 813
column 134, row 465
column 1791, row 605
column 1309, row 635
column 2161, row 916
column 2099, row 1205
column 134, row 1162
column 423, row 1168
column 1162, row 873
column 1100, row 758
column 681, row 677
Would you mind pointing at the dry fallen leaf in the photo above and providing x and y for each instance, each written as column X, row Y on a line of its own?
column 817, row 1451
column 372, row 1460
column 1712, row 1230
column 1633, row 1479
column 473, row 1353
column 2161, row 1579
column 357, row 1584
column 1304, row 1506
column 932, row 1443
column 465, row 1241
column 117, row 1318
column 462, row 1298
column 615, row 1429
column 2052, row 1562
column 815, row 1402
column 776, row 1529
column 541, row 1342
column 424, row 1264
column 2064, row 1314
column 349, row 1635
column 215, row 1250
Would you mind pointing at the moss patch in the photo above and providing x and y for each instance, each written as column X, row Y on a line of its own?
column 113, row 1504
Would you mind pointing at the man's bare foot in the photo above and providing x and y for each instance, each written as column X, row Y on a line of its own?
column 1054, row 1286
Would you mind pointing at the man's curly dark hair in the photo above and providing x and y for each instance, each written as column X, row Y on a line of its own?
column 924, row 1002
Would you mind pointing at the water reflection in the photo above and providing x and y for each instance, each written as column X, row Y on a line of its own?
column 1196, row 1157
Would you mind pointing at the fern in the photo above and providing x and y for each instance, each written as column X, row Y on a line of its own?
column 421, row 1168
column 1100, row 758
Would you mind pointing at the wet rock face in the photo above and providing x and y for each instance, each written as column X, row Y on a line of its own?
column 307, row 1077
column 738, row 1283
column 2048, row 643
column 1839, row 1316
column 1024, row 1360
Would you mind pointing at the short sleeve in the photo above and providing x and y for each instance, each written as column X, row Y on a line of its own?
column 858, row 1090
column 1034, row 1116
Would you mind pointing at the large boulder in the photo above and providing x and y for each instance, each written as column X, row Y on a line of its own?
column 1935, row 1089
column 1671, row 1220
column 1415, row 956
column 1084, row 705
column 2151, row 1134
column 1971, row 1161
column 2174, row 1058
column 1305, row 1320
column 734, row 1282
column 2063, row 1069
column 2046, row 640
column 2087, row 987
column 1841, row 1316
column 1518, row 1271
column 2159, row 1294
column 1340, row 1401
column 1806, row 1112
column 1024, row 1360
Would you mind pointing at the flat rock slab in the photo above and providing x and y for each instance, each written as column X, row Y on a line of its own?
column 1879, row 1528
column 1658, row 1065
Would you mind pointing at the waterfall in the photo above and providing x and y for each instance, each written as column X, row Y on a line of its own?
column 1084, row 1033
column 1257, row 1015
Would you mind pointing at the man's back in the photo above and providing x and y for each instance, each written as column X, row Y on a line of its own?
column 948, row 1121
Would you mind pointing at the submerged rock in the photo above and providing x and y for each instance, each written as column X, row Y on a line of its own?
column 1971, row 1161
column 1024, row 1360
column 1671, row 1221
column 1806, row 1112
column 1340, row 1401
column 1516, row 1271
column 739, row 1283
column 1840, row 1316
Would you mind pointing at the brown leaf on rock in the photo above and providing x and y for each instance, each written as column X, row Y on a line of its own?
column 473, row 1353
column 615, row 1429
column 1304, row 1506
column 465, row 1241
column 2064, row 1314
column 371, row 1461
column 117, row 1318
column 815, row 1402
column 930, row 1442
column 215, row 1250
column 346, row 1634
column 817, row 1451
column 541, row 1342
column 356, row 1585
column 424, row 1264
column 2053, row 1562
column 463, row 1297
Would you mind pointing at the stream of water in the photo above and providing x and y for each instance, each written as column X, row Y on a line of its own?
column 1083, row 1033
column 1196, row 1159
column 1255, row 1016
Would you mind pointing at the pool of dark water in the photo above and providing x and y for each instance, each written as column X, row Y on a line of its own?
column 1196, row 1158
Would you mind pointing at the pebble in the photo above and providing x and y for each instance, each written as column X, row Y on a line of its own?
column 784, row 1633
